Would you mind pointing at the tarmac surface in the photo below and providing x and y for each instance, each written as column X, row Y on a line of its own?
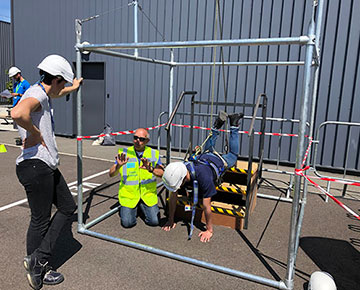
column 330, row 237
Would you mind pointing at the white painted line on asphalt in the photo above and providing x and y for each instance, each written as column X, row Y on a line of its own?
column 13, row 204
column 66, row 154
column 87, row 184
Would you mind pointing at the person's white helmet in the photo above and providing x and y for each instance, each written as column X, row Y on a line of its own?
column 56, row 65
column 174, row 175
column 13, row 71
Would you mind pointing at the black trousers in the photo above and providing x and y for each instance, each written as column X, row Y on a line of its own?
column 44, row 187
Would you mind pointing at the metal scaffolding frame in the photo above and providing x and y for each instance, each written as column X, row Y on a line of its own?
column 312, row 43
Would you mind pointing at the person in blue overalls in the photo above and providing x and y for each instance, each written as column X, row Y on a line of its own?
column 203, row 173
column 20, row 84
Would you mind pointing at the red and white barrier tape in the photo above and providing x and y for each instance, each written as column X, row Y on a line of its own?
column 301, row 173
column 307, row 152
column 337, row 180
column 79, row 138
column 297, row 171
column 241, row 132
column 182, row 126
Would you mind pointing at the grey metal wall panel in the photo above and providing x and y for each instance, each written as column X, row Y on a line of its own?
column 138, row 92
column 5, row 53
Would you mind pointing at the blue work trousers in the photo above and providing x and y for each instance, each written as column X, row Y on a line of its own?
column 234, row 145
column 128, row 215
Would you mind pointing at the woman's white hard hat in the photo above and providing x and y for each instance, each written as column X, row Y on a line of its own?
column 13, row 71
column 56, row 65
column 174, row 175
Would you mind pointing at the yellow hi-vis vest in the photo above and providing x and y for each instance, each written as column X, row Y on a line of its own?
column 137, row 183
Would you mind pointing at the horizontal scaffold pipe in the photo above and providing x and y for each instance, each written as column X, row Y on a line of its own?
column 198, row 43
column 247, row 276
column 241, row 63
column 133, row 57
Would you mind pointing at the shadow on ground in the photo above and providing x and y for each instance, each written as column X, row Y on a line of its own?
column 66, row 246
column 337, row 257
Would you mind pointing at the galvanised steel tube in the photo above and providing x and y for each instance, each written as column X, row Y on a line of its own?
column 294, row 227
column 79, row 129
column 171, row 100
column 317, row 134
column 312, row 119
column 241, row 63
column 102, row 217
column 198, row 43
column 135, row 2
column 109, row 213
column 250, row 277
column 132, row 57
column 273, row 197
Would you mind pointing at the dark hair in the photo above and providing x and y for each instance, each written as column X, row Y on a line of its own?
column 46, row 78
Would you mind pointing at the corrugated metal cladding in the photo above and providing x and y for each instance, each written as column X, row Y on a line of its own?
column 5, row 53
column 139, row 92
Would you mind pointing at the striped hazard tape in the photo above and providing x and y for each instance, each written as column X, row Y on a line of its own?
column 336, row 180
column 240, row 212
column 232, row 189
column 232, row 212
column 240, row 170
column 241, row 132
column 301, row 172
column 127, row 132
column 79, row 138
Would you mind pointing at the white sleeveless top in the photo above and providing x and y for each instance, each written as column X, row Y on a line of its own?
column 44, row 121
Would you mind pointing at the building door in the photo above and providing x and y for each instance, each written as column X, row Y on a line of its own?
column 93, row 99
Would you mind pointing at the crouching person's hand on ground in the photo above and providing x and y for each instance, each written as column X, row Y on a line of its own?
column 205, row 236
column 168, row 226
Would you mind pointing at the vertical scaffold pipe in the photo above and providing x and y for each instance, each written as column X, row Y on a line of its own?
column 136, row 53
column 312, row 115
column 171, row 98
column 79, row 129
column 289, row 280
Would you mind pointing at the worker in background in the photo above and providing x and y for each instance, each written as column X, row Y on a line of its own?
column 203, row 172
column 37, row 169
column 138, row 165
column 20, row 84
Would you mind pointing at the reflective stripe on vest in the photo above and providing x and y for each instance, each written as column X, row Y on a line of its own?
column 137, row 183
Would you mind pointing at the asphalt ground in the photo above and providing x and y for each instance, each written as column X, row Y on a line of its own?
column 330, row 238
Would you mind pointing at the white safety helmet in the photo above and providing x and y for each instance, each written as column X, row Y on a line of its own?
column 321, row 281
column 174, row 175
column 13, row 71
column 56, row 65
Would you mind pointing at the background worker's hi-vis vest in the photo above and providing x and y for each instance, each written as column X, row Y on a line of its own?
column 137, row 183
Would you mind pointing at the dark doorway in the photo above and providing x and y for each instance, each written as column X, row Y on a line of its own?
column 93, row 99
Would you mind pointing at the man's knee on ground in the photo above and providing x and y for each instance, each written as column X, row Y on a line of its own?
column 127, row 223
column 153, row 221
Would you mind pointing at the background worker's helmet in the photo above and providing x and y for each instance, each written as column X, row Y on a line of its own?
column 174, row 175
column 56, row 65
column 13, row 71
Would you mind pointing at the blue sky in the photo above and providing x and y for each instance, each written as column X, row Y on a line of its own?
column 5, row 10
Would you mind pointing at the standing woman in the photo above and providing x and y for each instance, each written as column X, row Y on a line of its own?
column 37, row 171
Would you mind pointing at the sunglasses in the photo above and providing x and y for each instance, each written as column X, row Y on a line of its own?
column 141, row 139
